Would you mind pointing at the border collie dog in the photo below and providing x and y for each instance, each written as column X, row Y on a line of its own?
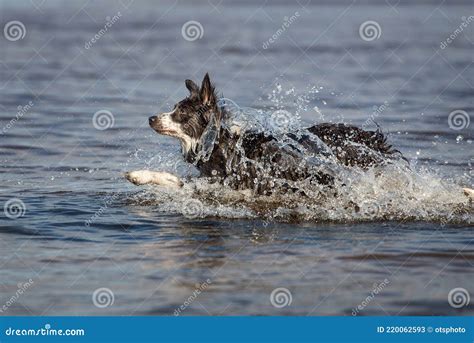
column 249, row 159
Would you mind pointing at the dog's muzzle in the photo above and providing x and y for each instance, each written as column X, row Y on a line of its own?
column 162, row 125
column 155, row 123
column 152, row 120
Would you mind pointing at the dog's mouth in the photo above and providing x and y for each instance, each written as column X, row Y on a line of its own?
column 166, row 132
column 163, row 131
column 157, row 125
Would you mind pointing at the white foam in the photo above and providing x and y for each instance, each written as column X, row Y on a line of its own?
column 393, row 192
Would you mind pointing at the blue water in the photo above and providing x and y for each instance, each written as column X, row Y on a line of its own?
column 137, row 242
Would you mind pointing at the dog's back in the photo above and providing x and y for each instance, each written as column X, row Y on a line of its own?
column 353, row 146
column 258, row 160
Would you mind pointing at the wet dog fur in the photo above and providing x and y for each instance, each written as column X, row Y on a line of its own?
column 240, row 158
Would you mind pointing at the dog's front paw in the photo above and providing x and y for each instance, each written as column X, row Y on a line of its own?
column 469, row 193
column 139, row 177
column 143, row 177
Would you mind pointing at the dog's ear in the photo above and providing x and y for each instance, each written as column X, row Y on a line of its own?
column 192, row 87
column 207, row 91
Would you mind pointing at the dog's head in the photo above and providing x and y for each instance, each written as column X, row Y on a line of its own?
column 191, row 116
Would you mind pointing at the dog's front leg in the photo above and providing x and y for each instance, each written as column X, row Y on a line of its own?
column 469, row 193
column 144, row 177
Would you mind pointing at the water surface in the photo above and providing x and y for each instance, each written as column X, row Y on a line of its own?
column 85, row 228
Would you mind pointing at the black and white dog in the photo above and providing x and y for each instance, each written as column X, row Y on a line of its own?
column 248, row 159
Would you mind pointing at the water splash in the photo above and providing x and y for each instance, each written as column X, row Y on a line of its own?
column 393, row 191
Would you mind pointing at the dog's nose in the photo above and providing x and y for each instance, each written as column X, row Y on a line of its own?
column 151, row 120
